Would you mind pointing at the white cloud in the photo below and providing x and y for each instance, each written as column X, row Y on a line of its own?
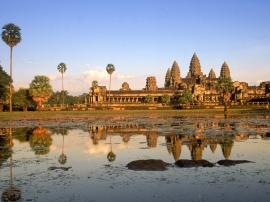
column 54, row 77
column 123, row 77
column 78, row 84
column 89, row 76
column 259, row 81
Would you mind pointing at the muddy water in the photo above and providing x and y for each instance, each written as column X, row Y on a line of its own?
column 85, row 159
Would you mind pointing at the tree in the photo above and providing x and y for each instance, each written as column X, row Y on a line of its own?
column 62, row 69
column 5, row 81
column 165, row 98
column 110, row 69
column 22, row 98
column 40, row 90
column 11, row 36
column 94, row 83
column 186, row 97
column 148, row 99
column 225, row 87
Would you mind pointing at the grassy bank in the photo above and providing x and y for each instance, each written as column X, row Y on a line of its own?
column 193, row 112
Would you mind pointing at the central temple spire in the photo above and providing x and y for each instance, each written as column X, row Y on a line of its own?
column 194, row 67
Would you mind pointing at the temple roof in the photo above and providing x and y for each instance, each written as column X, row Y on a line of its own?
column 212, row 74
column 175, row 73
column 225, row 71
column 195, row 66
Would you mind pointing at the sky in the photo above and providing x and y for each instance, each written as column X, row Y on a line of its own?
column 141, row 38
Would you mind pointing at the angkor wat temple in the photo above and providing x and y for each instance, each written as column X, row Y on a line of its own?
column 203, row 89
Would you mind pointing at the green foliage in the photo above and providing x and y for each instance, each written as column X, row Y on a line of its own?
column 4, row 149
column 40, row 141
column 11, row 34
column 40, row 90
column 186, row 97
column 110, row 68
column 22, row 98
column 225, row 85
column 70, row 100
column 62, row 68
column 148, row 99
column 111, row 156
column 62, row 159
column 5, row 80
column 226, row 88
column 94, row 83
column 165, row 98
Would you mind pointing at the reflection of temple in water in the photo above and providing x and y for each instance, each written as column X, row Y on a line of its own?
column 226, row 147
column 196, row 133
column 196, row 147
column 213, row 144
column 174, row 146
column 97, row 133
column 151, row 140
column 125, row 137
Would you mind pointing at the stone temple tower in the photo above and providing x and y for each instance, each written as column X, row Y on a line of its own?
column 212, row 74
column 151, row 83
column 225, row 71
column 175, row 79
column 168, row 78
column 194, row 67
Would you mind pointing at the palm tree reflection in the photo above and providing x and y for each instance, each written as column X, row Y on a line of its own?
column 12, row 193
column 63, row 157
column 111, row 156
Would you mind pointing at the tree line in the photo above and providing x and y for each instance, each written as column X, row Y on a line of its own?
column 39, row 92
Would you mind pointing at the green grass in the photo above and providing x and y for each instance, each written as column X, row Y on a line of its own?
column 193, row 112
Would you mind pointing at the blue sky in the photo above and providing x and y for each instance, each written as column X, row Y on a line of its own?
column 140, row 37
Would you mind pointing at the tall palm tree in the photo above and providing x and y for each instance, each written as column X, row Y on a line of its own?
column 11, row 36
column 110, row 69
column 225, row 87
column 62, row 69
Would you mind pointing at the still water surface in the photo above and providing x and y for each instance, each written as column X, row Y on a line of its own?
column 87, row 161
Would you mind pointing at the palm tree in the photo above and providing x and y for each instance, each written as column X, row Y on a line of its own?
column 186, row 97
column 225, row 86
column 11, row 36
column 62, row 69
column 94, row 83
column 110, row 69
